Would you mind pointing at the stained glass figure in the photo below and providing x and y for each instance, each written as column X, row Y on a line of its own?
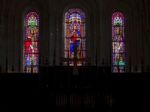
column 31, row 43
column 118, row 43
column 75, row 41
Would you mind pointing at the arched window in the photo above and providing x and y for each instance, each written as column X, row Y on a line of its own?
column 118, row 43
column 31, row 42
column 74, row 38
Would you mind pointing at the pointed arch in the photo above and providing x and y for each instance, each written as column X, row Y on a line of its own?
column 74, row 37
column 118, row 43
column 31, row 43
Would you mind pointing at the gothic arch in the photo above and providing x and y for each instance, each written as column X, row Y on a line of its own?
column 75, row 37
column 118, row 43
column 22, row 8
column 88, row 10
column 31, row 42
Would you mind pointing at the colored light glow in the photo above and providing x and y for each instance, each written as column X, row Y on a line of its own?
column 118, row 43
column 75, row 40
column 31, row 40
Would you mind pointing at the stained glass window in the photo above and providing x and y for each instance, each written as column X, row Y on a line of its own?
column 31, row 43
column 75, row 40
column 118, row 43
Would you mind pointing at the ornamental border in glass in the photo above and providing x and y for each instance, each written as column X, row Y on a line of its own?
column 74, row 38
column 31, row 43
column 118, row 43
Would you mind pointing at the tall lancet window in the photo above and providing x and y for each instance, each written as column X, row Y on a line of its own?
column 74, row 38
column 31, row 43
column 118, row 43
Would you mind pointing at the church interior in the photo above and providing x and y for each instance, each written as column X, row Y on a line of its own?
column 74, row 55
